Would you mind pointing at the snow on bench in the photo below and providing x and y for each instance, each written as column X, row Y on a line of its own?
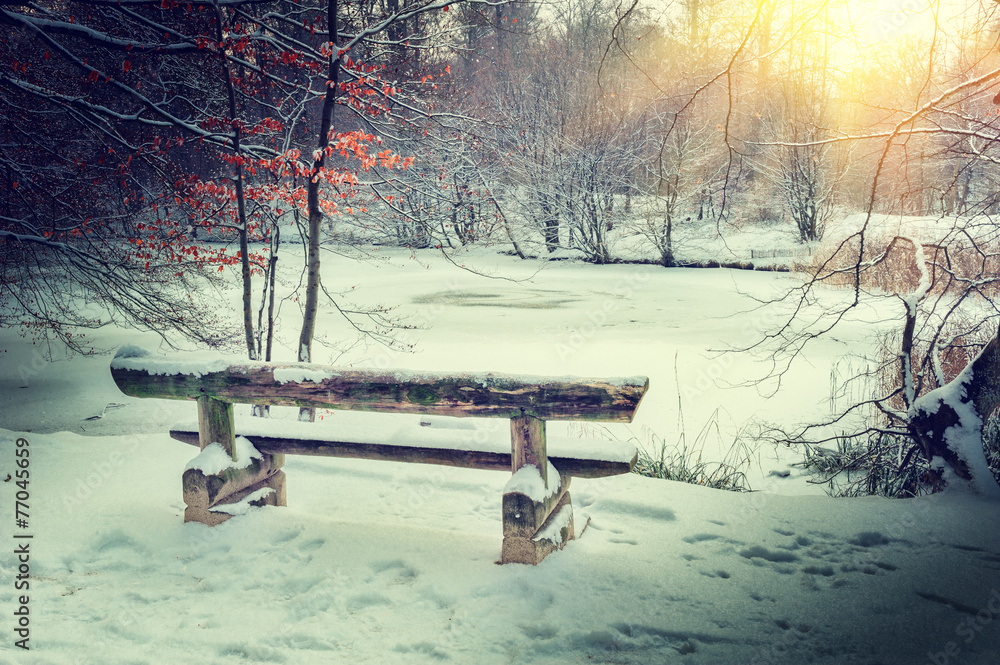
column 536, row 511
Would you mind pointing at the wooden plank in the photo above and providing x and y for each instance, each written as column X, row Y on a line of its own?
column 498, row 395
column 472, row 459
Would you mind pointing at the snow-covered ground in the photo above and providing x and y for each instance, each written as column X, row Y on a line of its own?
column 375, row 562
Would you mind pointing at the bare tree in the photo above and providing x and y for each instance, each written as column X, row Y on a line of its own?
column 933, row 393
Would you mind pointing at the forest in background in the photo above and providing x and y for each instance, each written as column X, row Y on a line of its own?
column 538, row 125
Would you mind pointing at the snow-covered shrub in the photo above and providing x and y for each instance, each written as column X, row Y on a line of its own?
column 945, row 280
column 874, row 460
column 870, row 465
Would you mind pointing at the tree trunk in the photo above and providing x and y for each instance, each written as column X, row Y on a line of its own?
column 240, row 198
column 272, row 277
column 694, row 21
column 667, row 248
column 948, row 422
column 551, row 225
column 266, row 327
column 312, row 200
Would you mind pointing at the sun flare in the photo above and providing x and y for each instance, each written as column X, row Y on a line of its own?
column 855, row 29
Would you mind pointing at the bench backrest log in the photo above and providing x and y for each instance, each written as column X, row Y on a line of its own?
column 385, row 391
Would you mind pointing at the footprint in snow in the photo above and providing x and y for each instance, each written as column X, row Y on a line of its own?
column 540, row 632
column 701, row 537
column 870, row 539
column 796, row 627
column 716, row 573
column 759, row 552
column 395, row 570
column 286, row 536
column 363, row 601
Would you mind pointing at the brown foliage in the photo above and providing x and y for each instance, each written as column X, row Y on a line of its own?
column 889, row 265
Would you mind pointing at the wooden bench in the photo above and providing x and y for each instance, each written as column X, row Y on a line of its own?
column 536, row 510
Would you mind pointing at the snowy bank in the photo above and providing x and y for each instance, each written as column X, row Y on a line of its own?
column 386, row 563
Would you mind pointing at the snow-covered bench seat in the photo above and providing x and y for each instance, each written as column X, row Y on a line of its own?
column 240, row 464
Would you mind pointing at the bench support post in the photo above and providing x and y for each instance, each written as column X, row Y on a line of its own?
column 207, row 495
column 216, row 424
column 537, row 511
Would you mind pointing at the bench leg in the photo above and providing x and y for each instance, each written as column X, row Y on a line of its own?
column 537, row 510
column 554, row 533
column 213, row 498
column 268, row 492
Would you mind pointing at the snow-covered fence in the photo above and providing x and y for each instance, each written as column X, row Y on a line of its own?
column 781, row 252
column 240, row 466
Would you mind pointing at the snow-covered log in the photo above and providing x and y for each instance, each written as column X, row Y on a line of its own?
column 386, row 391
